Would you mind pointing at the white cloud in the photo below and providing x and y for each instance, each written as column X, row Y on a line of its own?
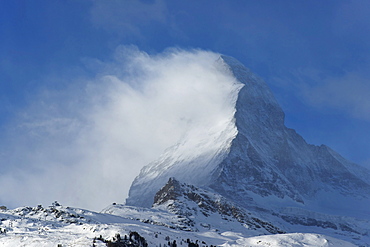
column 84, row 145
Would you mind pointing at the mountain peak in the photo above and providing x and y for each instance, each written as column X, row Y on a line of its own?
column 254, row 159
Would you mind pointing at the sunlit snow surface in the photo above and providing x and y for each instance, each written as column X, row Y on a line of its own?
column 55, row 225
column 289, row 240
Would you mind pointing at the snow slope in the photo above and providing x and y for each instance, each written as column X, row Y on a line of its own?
column 65, row 226
column 289, row 240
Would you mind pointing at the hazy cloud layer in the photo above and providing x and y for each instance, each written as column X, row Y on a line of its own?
column 85, row 144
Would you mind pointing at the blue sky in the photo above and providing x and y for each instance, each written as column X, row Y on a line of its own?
column 314, row 55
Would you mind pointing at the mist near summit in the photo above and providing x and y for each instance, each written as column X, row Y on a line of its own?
column 84, row 143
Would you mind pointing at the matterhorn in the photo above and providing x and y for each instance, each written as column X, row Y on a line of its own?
column 259, row 164
column 241, row 179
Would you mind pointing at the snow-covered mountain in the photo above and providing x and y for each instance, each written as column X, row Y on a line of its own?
column 261, row 165
column 255, row 156
column 246, row 180
column 268, row 160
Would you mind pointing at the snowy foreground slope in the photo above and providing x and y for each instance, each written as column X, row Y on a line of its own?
column 121, row 225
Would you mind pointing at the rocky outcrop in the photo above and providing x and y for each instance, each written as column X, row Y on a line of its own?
column 188, row 201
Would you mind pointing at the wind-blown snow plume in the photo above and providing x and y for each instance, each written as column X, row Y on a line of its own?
column 83, row 145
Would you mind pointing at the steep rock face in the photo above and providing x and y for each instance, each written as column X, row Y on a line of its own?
column 258, row 159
